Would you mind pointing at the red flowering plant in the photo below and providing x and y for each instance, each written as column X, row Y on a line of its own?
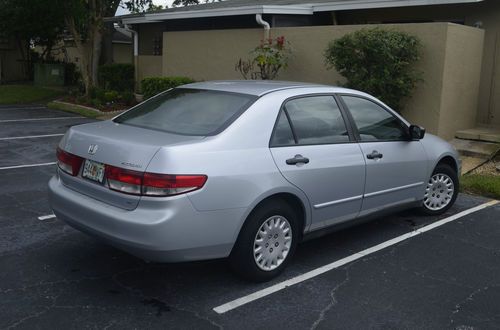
column 267, row 60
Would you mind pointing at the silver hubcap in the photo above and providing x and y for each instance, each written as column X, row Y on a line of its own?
column 439, row 192
column 272, row 243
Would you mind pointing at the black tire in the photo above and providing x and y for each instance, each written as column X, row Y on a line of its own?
column 452, row 174
column 242, row 259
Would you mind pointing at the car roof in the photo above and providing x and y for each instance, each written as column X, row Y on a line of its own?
column 254, row 87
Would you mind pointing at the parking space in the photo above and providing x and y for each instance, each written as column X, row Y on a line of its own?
column 55, row 277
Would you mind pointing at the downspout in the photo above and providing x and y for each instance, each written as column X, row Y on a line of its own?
column 136, row 53
column 264, row 24
column 334, row 18
column 136, row 38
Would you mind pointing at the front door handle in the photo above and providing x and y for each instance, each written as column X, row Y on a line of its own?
column 374, row 155
column 298, row 159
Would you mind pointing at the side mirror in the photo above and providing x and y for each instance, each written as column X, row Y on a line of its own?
column 417, row 132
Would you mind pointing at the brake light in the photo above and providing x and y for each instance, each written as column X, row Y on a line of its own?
column 126, row 181
column 69, row 163
column 151, row 184
column 168, row 185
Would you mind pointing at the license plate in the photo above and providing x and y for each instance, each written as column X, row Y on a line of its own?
column 93, row 171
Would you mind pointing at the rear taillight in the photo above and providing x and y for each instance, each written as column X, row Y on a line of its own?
column 69, row 163
column 168, row 185
column 151, row 184
column 126, row 181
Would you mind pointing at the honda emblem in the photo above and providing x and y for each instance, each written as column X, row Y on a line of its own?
column 93, row 149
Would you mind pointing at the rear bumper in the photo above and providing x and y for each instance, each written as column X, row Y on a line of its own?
column 162, row 230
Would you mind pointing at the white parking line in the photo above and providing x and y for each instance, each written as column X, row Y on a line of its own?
column 37, row 119
column 23, row 166
column 321, row 270
column 29, row 137
column 46, row 217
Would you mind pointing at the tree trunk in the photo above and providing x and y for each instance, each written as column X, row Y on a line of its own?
column 89, row 51
column 96, row 55
column 107, row 44
column 24, row 50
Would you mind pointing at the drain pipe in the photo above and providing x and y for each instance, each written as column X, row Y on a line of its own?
column 264, row 24
column 136, row 38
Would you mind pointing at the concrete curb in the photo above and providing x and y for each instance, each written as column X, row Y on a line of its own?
column 88, row 108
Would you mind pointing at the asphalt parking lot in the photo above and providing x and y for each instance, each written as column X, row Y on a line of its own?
column 52, row 276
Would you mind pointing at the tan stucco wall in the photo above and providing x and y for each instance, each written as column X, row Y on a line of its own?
column 462, row 75
column 149, row 66
column 210, row 55
column 123, row 53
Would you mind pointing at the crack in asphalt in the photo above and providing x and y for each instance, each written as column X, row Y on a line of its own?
column 333, row 301
column 156, row 301
column 460, row 305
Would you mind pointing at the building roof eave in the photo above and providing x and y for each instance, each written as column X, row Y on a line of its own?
column 289, row 9
column 374, row 4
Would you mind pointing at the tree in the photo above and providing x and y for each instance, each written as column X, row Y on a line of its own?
column 181, row 3
column 31, row 23
column 379, row 62
column 85, row 21
column 178, row 3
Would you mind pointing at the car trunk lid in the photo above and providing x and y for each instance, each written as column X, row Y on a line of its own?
column 118, row 145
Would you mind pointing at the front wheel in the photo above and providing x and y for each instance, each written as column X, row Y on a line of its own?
column 266, row 243
column 441, row 191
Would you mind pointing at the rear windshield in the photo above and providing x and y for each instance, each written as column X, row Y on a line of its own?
column 188, row 111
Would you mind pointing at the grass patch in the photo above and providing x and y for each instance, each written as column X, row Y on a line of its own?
column 74, row 109
column 481, row 184
column 14, row 94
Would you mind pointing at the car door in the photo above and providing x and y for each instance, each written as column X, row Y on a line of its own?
column 396, row 165
column 315, row 151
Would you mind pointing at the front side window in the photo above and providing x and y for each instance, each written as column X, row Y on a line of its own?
column 374, row 123
column 314, row 120
column 188, row 111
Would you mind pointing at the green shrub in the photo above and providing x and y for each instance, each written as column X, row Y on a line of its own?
column 95, row 103
column 97, row 93
column 152, row 86
column 111, row 96
column 379, row 62
column 127, row 97
column 117, row 77
column 268, row 59
column 72, row 75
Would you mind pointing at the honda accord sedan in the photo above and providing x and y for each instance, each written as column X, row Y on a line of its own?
column 246, row 170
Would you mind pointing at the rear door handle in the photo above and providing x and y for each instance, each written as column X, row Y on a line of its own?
column 298, row 159
column 374, row 155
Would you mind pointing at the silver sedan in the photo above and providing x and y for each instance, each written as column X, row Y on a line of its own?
column 246, row 170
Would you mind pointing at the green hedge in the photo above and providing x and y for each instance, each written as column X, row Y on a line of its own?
column 379, row 62
column 152, row 86
column 117, row 77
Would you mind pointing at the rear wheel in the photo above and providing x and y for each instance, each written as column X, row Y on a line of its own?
column 266, row 242
column 441, row 191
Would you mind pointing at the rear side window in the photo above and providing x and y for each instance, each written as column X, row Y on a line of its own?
column 283, row 135
column 188, row 111
column 313, row 120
